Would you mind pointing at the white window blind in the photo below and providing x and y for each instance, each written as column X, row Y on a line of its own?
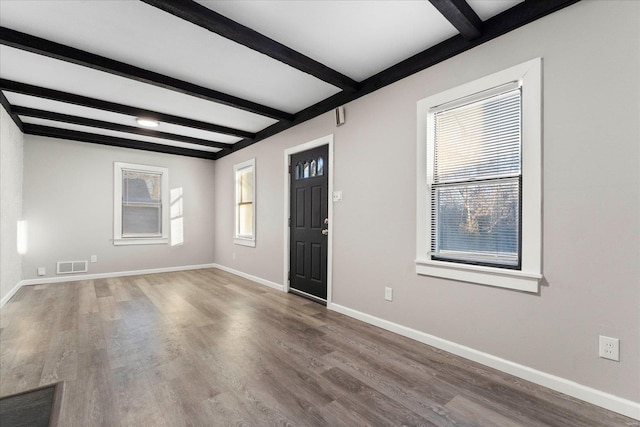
column 141, row 204
column 475, row 190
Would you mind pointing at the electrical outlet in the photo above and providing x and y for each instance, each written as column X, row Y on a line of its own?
column 388, row 294
column 42, row 271
column 94, row 258
column 609, row 348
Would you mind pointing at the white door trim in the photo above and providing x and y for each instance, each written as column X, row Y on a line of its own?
column 325, row 140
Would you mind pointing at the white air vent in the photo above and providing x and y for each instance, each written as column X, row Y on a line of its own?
column 70, row 267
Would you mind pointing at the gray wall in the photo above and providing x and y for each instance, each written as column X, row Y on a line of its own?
column 11, row 143
column 591, row 233
column 68, row 201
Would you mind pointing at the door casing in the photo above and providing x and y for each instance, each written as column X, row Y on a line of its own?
column 325, row 140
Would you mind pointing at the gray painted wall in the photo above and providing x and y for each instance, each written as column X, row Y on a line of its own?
column 11, row 143
column 591, row 248
column 68, row 201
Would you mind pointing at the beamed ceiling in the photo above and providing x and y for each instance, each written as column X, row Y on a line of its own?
column 219, row 76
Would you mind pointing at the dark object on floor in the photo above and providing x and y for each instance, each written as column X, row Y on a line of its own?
column 33, row 408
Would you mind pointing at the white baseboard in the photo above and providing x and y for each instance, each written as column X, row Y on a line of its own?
column 78, row 277
column 256, row 279
column 9, row 294
column 579, row 391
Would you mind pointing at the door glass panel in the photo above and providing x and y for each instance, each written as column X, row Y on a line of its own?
column 299, row 170
column 313, row 167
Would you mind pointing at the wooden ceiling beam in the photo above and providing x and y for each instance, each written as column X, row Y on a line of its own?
column 206, row 18
column 515, row 17
column 461, row 16
column 29, row 43
column 7, row 107
column 56, row 95
column 73, row 135
column 100, row 124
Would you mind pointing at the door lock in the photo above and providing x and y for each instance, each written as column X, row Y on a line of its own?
column 325, row 231
column 326, row 221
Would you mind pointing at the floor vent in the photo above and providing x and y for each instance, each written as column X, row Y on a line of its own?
column 70, row 267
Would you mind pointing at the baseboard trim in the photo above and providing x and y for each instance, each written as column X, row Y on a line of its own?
column 573, row 389
column 256, row 279
column 79, row 277
column 5, row 299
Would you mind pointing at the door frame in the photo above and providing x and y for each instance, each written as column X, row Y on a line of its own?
column 325, row 140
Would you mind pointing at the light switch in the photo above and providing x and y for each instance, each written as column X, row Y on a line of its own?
column 337, row 196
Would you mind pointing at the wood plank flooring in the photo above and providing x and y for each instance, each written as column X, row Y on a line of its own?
column 207, row 348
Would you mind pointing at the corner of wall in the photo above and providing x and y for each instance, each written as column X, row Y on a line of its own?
column 11, row 179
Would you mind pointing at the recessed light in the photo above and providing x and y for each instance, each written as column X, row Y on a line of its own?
column 149, row 123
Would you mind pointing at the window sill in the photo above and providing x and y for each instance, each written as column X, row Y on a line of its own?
column 140, row 241
column 244, row 242
column 498, row 277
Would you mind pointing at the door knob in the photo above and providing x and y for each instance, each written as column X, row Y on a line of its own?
column 325, row 231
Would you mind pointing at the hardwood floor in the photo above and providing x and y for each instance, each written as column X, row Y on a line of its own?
column 207, row 348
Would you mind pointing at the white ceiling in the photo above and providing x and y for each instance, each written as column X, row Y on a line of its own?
column 358, row 38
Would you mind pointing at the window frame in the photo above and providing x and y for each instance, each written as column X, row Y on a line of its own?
column 118, row 238
column 528, row 276
column 238, row 239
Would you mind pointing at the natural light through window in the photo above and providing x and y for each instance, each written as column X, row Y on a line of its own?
column 177, row 221
column 244, row 174
column 22, row 237
column 479, row 180
column 475, row 191
column 141, row 197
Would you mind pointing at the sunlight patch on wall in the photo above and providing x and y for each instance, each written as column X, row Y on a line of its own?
column 22, row 237
column 177, row 221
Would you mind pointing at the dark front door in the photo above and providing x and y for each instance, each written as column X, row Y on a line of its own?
column 309, row 201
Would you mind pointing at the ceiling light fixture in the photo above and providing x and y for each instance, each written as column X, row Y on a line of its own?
column 148, row 123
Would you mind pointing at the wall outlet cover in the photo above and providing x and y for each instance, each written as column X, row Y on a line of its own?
column 42, row 271
column 609, row 348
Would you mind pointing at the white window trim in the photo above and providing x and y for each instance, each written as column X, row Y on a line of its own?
column 237, row 239
column 118, row 239
column 529, row 74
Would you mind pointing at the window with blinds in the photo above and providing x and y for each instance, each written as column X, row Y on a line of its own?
column 141, row 204
column 475, row 187
column 479, row 180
